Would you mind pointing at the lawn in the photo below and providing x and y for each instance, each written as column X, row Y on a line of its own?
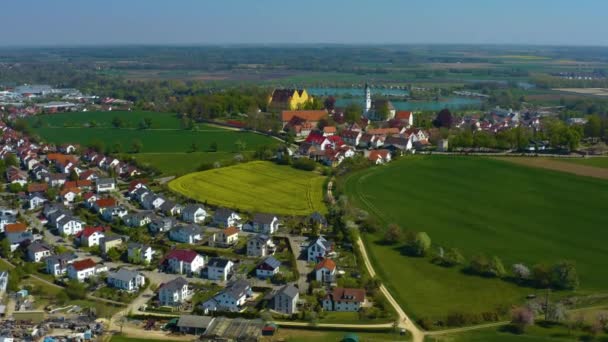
column 297, row 335
column 595, row 162
column 256, row 187
column 173, row 151
column 481, row 206
column 534, row 333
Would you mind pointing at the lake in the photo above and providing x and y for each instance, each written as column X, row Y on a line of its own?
column 449, row 102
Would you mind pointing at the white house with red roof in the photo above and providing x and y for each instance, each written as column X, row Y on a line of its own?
column 405, row 116
column 344, row 299
column 91, row 236
column 318, row 140
column 81, row 270
column 379, row 157
column 325, row 271
column 183, row 261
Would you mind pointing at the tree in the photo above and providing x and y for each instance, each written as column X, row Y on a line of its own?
column 541, row 275
column 479, row 264
column 556, row 312
column 11, row 160
column 330, row 103
column 593, row 127
column 453, row 257
column 496, row 269
column 117, row 122
column 136, row 146
column 417, row 244
column 383, row 111
column 564, row 276
column 444, row 119
column 352, row 112
column 213, row 147
column 240, row 145
column 522, row 317
column 521, row 272
column 392, row 234
column 97, row 145
column 113, row 254
column 5, row 248
column 116, row 147
column 76, row 290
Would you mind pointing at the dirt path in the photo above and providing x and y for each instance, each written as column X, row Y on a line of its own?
column 404, row 320
column 556, row 165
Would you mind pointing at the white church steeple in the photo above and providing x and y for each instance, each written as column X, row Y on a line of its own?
column 368, row 98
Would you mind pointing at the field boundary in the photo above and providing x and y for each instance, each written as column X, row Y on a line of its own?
column 557, row 165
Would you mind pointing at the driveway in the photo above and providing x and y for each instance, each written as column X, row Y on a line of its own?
column 304, row 270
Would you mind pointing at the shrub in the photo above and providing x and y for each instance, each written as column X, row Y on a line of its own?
column 425, row 323
column 305, row 164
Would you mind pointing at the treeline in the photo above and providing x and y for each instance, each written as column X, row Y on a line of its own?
column 548, row 82
column 231, row 101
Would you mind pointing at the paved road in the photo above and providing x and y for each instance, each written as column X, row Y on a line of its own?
column 304, row 270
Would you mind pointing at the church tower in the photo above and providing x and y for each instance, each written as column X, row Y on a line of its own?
column 368, row 98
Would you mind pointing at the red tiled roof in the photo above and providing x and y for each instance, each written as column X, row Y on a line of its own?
column 182, row 255
column 382, row 131
column 403, row 115
column 15, row 227
column 230, row 231
column 329, row 129
column 83, row 264
column 374, row 154
column 88, row 231
column 326, row 263
column 308, row 115
column 345, row 294
column 105, row 202
column 315, row 138
column 37, row 187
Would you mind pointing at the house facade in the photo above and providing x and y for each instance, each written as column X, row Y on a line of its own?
column 126, row 280
column 286, row 299
column 344, row 299
column 174, row 292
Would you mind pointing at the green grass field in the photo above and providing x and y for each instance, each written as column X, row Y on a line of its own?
column 297, row 335
column 481, row 206
column 533, row 334
column 256, row 187
column 595, row 162
column 165, row 146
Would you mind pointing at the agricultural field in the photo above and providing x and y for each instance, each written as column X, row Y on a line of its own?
column 595, row 162
column 534, row 333
column 297, row 335
column 166, row 147
column 257, row 187
column 481, row 205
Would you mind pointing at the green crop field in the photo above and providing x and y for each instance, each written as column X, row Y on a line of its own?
column 481, row 206
column 256, row 187
column 164, row 146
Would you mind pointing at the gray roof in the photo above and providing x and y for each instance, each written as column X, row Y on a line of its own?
column 168, row 205
column 189, row 229
column 191, row 321
column 261, row 238
column 288, row 290
column 237, row 289
column 191, row 208
column 112, row 238
column 137, row 245
column 53, row 259
column 174, row 285
column 123, row 274
column 104, row 181
column 38, row 247
column 263, row 218
column 218, row 262
column 272, row 262
column 222, row 214
column 66, row 219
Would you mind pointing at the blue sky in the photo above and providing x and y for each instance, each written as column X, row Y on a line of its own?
column 75, row 22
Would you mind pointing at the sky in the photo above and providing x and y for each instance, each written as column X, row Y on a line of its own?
column 185, row 22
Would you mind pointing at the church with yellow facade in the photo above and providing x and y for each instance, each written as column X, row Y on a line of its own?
column 288, row 99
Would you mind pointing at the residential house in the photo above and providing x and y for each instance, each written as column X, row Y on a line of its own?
column 105, row 185
column 114, row 212
column 161, row 224
column 344, row 299
column 268, row 268
column 319, row 249
column 16, row 234
column 232, row 298
column 36, row 200
column 152, row 202
column 317, row 219
column 126, row 280
column 91, row 236
column 305, row 116
column 224, row 217
column 139, row 253
column 351, row 137
column 184, row 262
column 100, row 205
column 219, row 269
column 406, row 117
column 260, row 246
column 325, row 271
column 225, row 238
column 57, row 265
column 68, row 225
column 171, row 208
column 69, row 195
column 194, row 213
column 81, row 270
column 138, row 219
column 108, row 242
column 186, row 234
column 36, row 251
column 379, row 157
column 174, row 292
column 263, row 223
column 286, row 299
column 7, row 216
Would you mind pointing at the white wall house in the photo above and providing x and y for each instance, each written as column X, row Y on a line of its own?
column 174, row 292
column 219, row 269
column 126, row 280
column 184, row 262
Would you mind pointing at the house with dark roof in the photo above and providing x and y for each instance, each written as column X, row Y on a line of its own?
column 139, row 253
column 219, row 269
column 174, row 292
column 161, row 224
column 36, row 200
column 105, row 185
column 194, row 213
column 286, row 299
column 138, row 219
column 186, row 234
column 344, row 299
column 225, row 217
column 171, row 208
column 194, row 325
column 263, row 223
column 268, row 268
column 231, row 299
column 319, row 249
column 260, row 246
column 37, row 251
column 57, row 265
column 126, row 280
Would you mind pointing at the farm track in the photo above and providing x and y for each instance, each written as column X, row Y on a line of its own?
column 556, row 165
